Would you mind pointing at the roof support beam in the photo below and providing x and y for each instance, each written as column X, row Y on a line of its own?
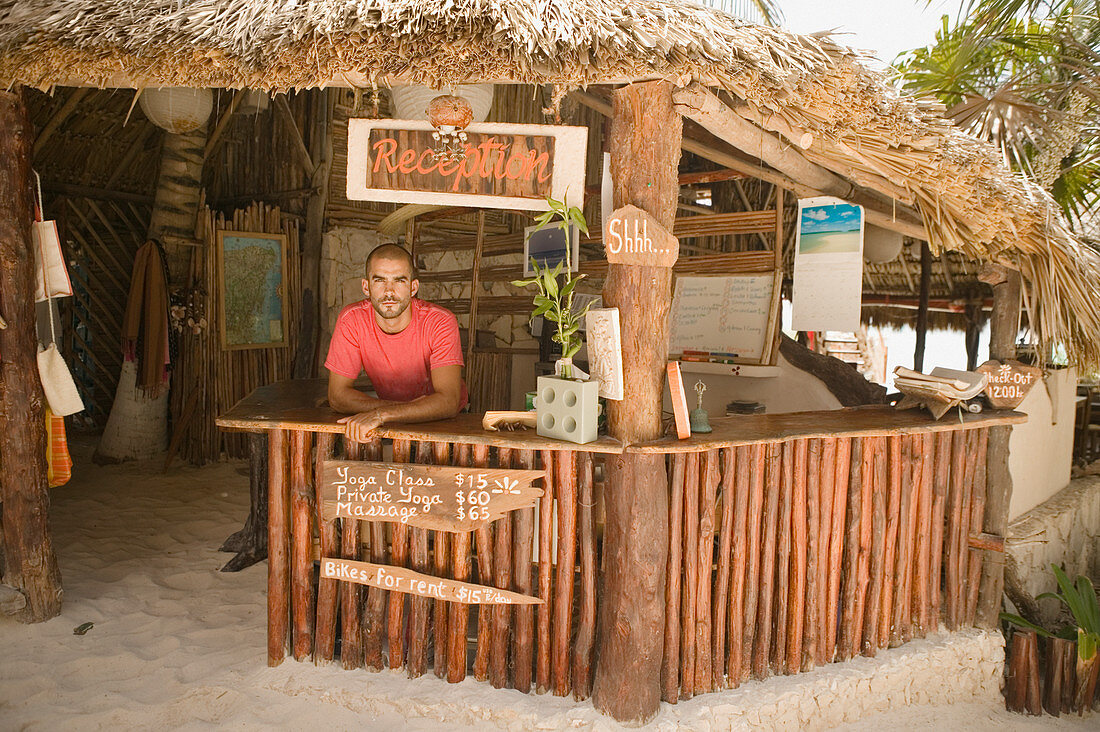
column 58, row 117
column 700, row 105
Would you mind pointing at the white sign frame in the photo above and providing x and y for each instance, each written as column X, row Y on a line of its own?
column 567, row 182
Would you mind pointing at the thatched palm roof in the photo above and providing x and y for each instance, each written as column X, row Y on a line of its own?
column 863, row 131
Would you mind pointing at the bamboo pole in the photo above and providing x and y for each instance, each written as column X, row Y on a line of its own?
column 691, row 576
column 704, row 664
column 670, row 666
column 827, row 467
column 954, row 527
column 584, row 642
column 483, row 539
column 325, row 639
column 797, row 598
column 963, row 565
column 810, row 630
column 940, row 492
column 374, row 611
column 302, row 509
column 894, row 491
column 848, row 645
column 722, row 600
column 502, row 578
column 459, row 611
column 739, row 463
column 974, row 573
column 441, row 455
column 399, row 557
column 783, row 562
column 278, row 549
column 921, row 592
column 907, row 528
column 841, row 511
column 566, row 494
column 546, row 510
column 772, row 488
column 754, row 537
column 523, row 536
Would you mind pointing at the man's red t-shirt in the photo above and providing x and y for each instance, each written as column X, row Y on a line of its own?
column 399, row 365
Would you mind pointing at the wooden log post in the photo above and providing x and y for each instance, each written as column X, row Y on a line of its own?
column 645, row 153
column 309, row 325
column 1004, row 325
column 29, row 562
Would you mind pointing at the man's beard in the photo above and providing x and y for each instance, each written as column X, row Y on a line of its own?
column 391, row 314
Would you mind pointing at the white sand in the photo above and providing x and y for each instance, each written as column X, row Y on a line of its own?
column 178, row 644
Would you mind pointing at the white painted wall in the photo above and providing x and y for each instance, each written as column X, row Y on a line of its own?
column 793, row 390
column 1041, row 450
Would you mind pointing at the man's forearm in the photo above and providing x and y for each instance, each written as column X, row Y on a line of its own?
column 353, row 401
column 425, row 409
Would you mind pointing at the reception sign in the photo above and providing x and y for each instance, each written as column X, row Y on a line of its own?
column 506, row 166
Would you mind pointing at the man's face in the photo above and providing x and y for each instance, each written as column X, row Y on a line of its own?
column 390, row 287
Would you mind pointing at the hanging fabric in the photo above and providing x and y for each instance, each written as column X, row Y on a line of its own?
column 59, row 465
column 57, row 383
column 145, row 324
column 51, row 277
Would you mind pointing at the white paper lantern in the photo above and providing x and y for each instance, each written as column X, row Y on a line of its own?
column 177, row 109
column 880, row 245
column 411, row 102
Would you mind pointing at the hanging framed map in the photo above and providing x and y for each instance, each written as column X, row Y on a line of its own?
column 251, row 277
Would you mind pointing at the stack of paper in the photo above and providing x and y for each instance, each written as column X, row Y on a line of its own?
column 939, row 390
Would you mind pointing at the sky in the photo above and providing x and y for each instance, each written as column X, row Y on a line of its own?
column 886, row 27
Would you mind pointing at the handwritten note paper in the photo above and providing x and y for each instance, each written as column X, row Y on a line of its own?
column 439, row 497
column 722, row 314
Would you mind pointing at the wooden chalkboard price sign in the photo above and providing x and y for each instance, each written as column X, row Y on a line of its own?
column 399, row 579
column 634, row 237
column 438, row 497
column 1009, row 382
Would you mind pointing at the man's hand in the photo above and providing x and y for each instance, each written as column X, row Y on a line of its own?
column 360, row 427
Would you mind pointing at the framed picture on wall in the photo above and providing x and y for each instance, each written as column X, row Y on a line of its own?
column 251, row 281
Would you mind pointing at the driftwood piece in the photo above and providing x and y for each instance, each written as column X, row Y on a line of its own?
column 842, row 381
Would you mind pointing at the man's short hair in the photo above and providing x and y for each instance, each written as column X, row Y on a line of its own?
column 391, row 251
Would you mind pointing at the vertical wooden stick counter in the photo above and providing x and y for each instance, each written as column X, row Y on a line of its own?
column 794, row 540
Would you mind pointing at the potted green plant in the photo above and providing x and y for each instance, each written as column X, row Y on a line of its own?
column 566, row 408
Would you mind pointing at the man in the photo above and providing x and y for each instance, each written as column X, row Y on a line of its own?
column 409, row 348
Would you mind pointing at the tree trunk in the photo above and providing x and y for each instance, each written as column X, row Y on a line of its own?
column 137, row 428
column 645, row 154
column 1004, row 325
column 922, row 307
column 29, row 562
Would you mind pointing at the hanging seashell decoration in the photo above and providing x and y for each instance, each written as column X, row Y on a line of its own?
column 449, row 115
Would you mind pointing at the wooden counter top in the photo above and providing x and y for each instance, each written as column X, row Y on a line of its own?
column 301, row 405
column 849, row 422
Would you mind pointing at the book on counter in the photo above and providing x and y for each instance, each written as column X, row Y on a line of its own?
column 949, row 384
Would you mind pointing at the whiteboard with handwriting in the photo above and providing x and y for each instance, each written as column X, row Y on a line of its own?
column 722, row 314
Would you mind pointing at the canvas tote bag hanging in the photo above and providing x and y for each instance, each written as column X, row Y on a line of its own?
column 57, row 382
column 51, row 276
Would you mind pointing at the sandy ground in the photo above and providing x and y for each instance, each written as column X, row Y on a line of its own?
column 177, row 644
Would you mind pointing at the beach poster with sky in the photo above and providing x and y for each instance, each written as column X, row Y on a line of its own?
column 828, row 265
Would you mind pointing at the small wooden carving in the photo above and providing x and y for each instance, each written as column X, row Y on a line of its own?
column 399, row 579
column 634, row 237
column 439, row 497
column 1009, row 382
